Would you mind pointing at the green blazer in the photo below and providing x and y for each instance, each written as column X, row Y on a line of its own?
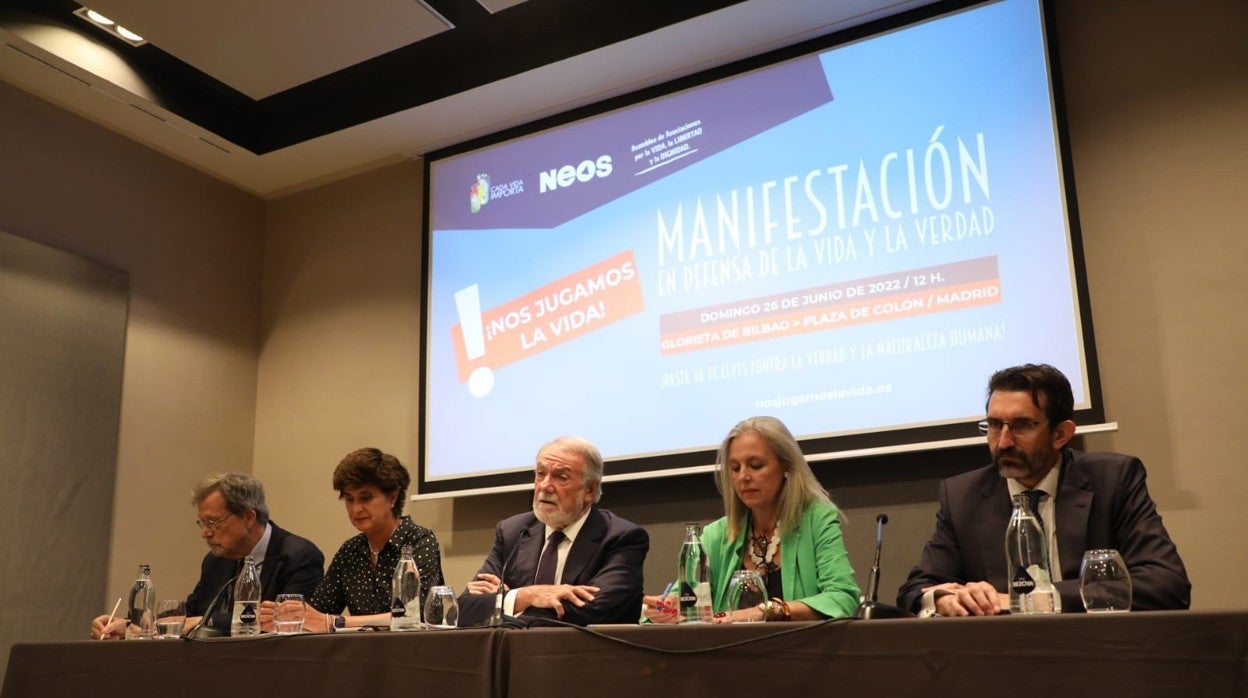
column 814, row 566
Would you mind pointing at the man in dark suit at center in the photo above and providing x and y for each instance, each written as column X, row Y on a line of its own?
column 1086, row 501
column 567, row 559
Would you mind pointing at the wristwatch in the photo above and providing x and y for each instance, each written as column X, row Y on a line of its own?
column 337, row 624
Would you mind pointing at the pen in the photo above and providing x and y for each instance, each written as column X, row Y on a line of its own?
column 111, row 616
column 663, row 606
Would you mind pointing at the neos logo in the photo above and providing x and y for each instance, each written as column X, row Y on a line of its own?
column 568, row 175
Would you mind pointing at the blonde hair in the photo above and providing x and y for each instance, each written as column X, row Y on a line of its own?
column 800, row 486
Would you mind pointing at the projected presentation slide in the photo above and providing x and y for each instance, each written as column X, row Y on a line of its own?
column 852, row 241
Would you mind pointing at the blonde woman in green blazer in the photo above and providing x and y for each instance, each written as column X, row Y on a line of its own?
column 779, row 521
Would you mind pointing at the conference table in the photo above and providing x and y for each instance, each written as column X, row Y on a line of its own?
column 1130, row 654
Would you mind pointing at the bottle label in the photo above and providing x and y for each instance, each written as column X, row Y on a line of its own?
column 1022, row 582
column 702, row 594
column 248, row 614
column 687, row 597
column 397, row 609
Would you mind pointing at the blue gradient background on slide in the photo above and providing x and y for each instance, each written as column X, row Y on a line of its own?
column 981, row 71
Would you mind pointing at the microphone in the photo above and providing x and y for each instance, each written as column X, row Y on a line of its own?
column 496, row 617
column 868, row 606
column 205, row 627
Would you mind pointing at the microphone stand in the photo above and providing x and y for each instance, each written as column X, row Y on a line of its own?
column 496, row 616
column 868, row 606
column 204, row 628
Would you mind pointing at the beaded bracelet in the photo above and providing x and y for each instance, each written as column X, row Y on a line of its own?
column 775, row 609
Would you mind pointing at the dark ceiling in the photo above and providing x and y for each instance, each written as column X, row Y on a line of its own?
column 480, row 48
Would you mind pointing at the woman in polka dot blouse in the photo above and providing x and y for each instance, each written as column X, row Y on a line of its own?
column 356, row 588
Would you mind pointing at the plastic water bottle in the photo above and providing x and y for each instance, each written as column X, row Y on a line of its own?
column 142, row 614
column 693, row 578
column 1027, row 560
column 405, row 601
column 246, row 620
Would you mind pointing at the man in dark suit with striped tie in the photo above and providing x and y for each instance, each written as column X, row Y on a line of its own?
column 1085, row 500
column 567, row 559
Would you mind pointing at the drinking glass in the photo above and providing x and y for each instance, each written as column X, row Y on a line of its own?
column 746, row 590
column 1104, row 582
column 170, row 617
column 441, row 609
column 289, row 615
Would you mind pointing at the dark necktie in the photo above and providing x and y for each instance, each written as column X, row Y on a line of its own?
column 550, row 559
column 1033, row 501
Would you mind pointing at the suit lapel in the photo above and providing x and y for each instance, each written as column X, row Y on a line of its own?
column 271, row 560
column 733, row 554
column 588, row 540
column 789, row 556
column 529, row 550
column 994, row 516
column 1073, row 506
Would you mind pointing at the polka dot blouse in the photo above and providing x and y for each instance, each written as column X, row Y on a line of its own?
column 352, row 583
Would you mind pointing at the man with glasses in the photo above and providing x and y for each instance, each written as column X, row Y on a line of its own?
column 233, row 520
column 1085, row 501
column 566, row 559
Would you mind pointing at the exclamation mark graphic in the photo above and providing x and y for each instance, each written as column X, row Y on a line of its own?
column 468, row 307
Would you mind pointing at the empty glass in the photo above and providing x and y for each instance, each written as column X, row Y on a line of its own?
column 441, row 609
column 170, row 617
column 1104, row 582
column 289, row 614
column 746, row 590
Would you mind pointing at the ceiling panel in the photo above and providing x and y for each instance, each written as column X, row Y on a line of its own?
column 262, row 47
column 503, row 63
column 497, row 5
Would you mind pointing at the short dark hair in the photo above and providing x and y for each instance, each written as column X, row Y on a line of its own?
column 369, row 466
column 1038, row 379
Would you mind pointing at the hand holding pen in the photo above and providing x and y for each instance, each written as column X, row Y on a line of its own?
column 663, row 608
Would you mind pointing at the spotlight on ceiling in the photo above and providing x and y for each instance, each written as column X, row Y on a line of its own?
column 99, row 18
column 103, row 23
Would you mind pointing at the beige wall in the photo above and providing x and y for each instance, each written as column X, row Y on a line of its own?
column 192, row 247
column 340, row 335
column 1157, row 103
column 1157, row 98
column 223, row 371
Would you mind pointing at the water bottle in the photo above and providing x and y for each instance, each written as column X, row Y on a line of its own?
column 246, row 619
column 405, row 601
column 693, row 578
column 142, row 614
column 1027, row 562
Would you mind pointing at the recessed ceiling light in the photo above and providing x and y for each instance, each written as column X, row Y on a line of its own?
column 127, row 34
column 99, row 21
column 99, row 18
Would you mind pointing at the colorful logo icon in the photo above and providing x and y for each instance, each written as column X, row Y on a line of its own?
column 479, row 194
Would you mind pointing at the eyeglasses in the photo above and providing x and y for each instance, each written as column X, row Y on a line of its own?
column 214, row 524
column 1018, row 427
